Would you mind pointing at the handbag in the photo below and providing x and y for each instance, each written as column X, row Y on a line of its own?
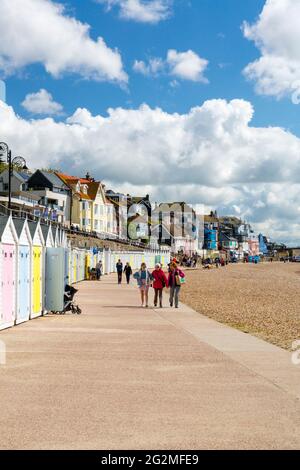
column 163, row 282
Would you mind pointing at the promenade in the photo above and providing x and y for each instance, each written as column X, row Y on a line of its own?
column 122, row 377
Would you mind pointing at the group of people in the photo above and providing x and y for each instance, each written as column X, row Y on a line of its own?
column 156, row 279
column 209, row 262
column 127, row 271
column 189, row 261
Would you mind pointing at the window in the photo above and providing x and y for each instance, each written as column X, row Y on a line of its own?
column 96, row 209
column 83, row 222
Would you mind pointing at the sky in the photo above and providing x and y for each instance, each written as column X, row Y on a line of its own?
column 194, row 100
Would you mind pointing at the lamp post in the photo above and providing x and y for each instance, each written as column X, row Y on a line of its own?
column 18, row 161
column 4, row 148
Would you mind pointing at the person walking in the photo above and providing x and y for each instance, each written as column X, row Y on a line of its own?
column 160, row 282
column 119, row 267
column 128, row 272
column 143, row 277
column 174, row 283
column 99, row 268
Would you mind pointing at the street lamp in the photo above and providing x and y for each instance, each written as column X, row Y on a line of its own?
column 18, row 161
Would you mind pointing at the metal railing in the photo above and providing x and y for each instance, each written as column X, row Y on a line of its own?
column 20, row 213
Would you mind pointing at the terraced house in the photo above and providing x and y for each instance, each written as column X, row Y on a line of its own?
column 90, row 209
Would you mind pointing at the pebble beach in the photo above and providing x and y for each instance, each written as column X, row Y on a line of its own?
column 262, row 300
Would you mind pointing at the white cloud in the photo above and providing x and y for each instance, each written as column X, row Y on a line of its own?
column 41, row 103
column 187, row 65
column 211, row 155
column 143, row 11
column 40, row 31
column 277, row 35
column 183, row 65
column 154, row 66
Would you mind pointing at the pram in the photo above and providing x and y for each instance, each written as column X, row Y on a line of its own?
column 69, row 304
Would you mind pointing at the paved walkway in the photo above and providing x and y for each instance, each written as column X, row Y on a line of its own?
column 120, row 377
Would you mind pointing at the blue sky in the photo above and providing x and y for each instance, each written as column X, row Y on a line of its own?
column 210, row 28
column 163, row 104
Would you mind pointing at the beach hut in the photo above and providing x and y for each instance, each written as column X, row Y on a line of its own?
column 59, row 236
column 81, row 265
column 64, row 240
column 107, row 257
column 67, row 253
column 74, row 262
column 88, row 263
column 55, row 279
column 48, row 244
column 9, row 241
column 55, row 234
column 24, row 252
column 48, row 236
column 37, row 271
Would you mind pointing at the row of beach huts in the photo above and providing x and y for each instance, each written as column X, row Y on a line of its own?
column 37, row 262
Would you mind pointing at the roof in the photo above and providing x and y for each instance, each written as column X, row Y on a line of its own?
column 3, row 223
column 32, row 227
column 230, row 220
column 224, row 235
column 211, row 219
column 136, row 199
column 53, row 178
column 19, row 224
column 23, row 175
column 72, row 179
column 183, row 205
column 93, row 188
column 45, row 230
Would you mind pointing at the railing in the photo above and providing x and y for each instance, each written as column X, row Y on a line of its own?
column 22, row 214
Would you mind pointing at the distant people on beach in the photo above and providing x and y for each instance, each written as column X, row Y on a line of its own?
column 188, row 261
column 119, row 267
column 160, row 281
column 128, row 272
column 144, row 278
column 99, row 269
column 175, row 280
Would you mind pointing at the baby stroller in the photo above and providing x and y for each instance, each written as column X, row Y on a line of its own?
column 69, row 304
